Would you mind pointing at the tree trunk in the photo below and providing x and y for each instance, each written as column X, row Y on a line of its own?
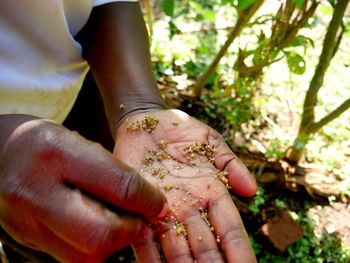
column 308, row 126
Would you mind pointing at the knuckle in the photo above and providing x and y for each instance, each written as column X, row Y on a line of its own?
column 129, row 184
column 181, row 258
column 214, row 138
column 210, row 255
column 234, row 235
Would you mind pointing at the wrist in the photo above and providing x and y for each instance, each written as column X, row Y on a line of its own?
column 127, row 111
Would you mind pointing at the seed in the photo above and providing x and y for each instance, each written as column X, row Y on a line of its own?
column 200, row 238
column 162, row 144
column 168, row 187
column 222, row 177
column 177, row 166
column 148, row 124
column 134, row 126
column 204, row 216
column 148, row 160
column 159, row 172
column 201, row 149
column 154, row 155
column 180, row 228
column 122, row 106
column 175, row 123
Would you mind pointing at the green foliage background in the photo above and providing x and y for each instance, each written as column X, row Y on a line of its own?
column 264, row 115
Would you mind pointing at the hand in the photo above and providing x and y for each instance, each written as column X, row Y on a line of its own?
column 55, row 188
column 192, row 164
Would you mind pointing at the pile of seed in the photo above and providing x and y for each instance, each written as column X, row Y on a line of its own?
column 180, row 228
column 202, row 149
column 154, row 155
column 222, row 177
column 148, row 124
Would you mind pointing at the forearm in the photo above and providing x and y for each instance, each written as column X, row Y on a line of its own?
column 115, row 44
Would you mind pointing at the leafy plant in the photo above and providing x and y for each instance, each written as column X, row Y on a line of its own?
column 258, row 201
column 308, row 124
column 307, row 249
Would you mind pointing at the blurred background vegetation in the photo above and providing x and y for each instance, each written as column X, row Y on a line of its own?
column 272, row 77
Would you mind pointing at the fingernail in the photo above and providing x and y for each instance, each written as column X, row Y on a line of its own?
column 163, row 212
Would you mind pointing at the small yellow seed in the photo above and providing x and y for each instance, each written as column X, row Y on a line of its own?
column 180, row 228
column 162, row 144
column 168, row 187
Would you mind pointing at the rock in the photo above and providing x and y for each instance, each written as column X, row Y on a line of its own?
column 281, row 231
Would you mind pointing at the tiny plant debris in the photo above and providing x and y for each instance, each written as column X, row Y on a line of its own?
column 162, row 144
column 167, row 187
column 154, row 155
column 159, row 172
column 175, row 123
column 122, row 106
column 148, row 124
column 180, row 228
column 177, row 167
column 202, row 149
column 204, row 216
column 222, row 177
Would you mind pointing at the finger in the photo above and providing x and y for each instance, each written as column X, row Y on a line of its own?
column 93, row 169
column 62, row 251
column 145, row 247
column 86, row 225
column 202, row 241
column 46, row 241
column 240, row 179
column 230, row 230
column 174, row 245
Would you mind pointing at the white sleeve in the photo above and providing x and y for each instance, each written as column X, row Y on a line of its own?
column 101, row 2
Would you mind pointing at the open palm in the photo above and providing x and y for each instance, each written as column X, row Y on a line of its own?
column 194, row 167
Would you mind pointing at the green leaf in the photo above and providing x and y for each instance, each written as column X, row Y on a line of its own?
column 244, row 4
column 296, row 63
column 208, row 14
column 301, row 40
column 173, row 30
column 332, row 2
column 224, row 2
column 298, row 3
column 168, row 7
column 254, row 208
column 280, row 203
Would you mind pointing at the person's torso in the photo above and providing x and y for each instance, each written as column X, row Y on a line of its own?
column 41, row 66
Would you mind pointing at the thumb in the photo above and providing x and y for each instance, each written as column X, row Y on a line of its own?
column 96, row 171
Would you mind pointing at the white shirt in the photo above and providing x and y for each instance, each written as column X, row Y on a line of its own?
column 41, row 65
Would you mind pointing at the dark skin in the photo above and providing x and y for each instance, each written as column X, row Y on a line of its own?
column 54, row 189
column 86, row 203
column 120, row 61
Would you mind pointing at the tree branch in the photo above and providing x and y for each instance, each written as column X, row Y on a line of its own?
column 326, row 56
column 243, row 19
column 331, row 116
